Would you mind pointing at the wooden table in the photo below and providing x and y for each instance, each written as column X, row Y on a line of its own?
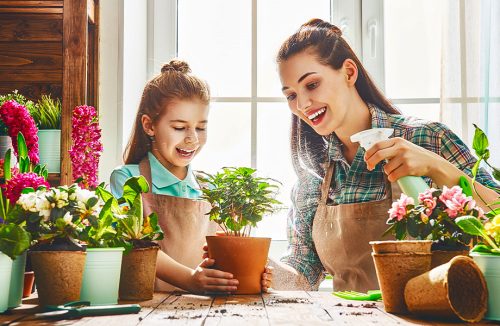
column 276, row 308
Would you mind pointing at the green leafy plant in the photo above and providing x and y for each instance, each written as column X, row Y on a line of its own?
column 47, row 113
column 14, row 239
column 19, row 98
column 133, row 229
column 239, row 199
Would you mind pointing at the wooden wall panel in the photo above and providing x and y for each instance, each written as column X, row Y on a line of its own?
column 22, row 56
column 32, row 90
column 30, row 27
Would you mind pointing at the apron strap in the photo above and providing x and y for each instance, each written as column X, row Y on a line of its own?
column 147, row 198
column 325, row 186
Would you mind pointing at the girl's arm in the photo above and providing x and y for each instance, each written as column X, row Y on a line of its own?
column 285, row 277
column 198, row 280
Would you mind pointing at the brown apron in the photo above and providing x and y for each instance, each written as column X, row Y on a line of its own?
column 183, row 222
column 341, row 234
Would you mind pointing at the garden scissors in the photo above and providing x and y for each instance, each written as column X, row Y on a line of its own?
column 77, row 309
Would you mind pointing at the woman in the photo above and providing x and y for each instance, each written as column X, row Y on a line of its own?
column 332, row 97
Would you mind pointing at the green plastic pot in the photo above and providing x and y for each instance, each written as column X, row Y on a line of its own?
column 49, row 144
column 490, row 266
column 101, row 276
column 17, row 281
column 5, row 273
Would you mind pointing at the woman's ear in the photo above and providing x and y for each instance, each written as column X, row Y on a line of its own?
column 147, row 125
column 351, row 71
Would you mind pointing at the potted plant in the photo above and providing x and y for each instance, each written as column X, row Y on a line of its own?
column 137, row 234
column 239, row 201
column 433, row 218
column 47, row 116
column 487, row 253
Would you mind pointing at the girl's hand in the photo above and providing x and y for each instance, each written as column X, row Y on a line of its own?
column 205, row 246
column 403, row 158
column 205, row 280
column 267, row 278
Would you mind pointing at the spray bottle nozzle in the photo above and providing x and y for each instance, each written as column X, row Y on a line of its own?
column 367, row 138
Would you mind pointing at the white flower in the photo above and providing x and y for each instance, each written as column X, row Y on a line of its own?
column 28, row 201
column 67, row 218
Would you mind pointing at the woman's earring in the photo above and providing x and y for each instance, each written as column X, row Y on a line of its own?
column 151, row 138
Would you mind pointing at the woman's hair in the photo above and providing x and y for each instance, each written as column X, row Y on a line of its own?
column 326, row 42
column 175, row 82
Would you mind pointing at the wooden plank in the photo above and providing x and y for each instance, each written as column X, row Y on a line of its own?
column 180, row 309
column 286, row 307
column 74, row 74
column 40, row 10
column 24, row 56
column 51, row 76
column 32, row 90
column 29, row 27
column 31, row 3
column 237, row 310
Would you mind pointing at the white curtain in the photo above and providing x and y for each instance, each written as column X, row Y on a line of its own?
column 470, row 91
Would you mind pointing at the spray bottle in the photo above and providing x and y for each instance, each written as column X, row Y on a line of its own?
column 410, row 185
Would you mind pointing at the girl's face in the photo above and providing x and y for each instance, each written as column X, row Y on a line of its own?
column 179, row 134
column 316, row 93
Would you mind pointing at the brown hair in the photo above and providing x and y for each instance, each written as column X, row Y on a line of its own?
column 175, row 82
column 325, row 40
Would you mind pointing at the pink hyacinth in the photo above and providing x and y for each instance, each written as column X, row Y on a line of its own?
column 17, row 119
column 398, row 209
column 87, row 147
column 427, row 200
column 12, row 188
column 454, row 200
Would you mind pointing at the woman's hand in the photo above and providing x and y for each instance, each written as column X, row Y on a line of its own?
column 205, row 280
column 403, row 158
column 267, row 278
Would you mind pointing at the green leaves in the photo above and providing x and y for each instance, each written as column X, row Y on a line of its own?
column 480, row 143
column 239, row 199
column 47, row 113
column 472, row 225
column 14, row 240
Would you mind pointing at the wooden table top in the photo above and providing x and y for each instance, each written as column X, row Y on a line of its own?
column 276, row 308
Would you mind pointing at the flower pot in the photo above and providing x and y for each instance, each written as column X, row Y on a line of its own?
column 29, row 280
column 101, row 276
column 244, row 257
column 490, row 266
column 5, row 145
column 455, row 289
column 440, row 257
column 49, row 144
column 58, row 275
column 17, row 281
column 5, row 274
column 396, row 262
column 138, row 273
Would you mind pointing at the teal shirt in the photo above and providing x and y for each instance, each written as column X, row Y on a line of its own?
column 164, row 182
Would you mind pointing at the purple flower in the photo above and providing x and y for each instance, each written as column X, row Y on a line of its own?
column 17, row 119
column 87, row 147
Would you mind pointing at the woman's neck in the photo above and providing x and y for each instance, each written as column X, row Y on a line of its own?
column 179, row 171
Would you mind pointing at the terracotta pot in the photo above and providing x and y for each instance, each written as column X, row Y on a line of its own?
column 58, row 275
column 244, row 257
column 29, row 280
column 440, row 257
column 138, row 273
column 455, row 289
column 396, row 262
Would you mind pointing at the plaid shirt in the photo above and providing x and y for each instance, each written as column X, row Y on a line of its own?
column 354, row 183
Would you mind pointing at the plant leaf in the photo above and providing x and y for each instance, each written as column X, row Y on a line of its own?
column 480, row 142
column 22, row 149
column 6, row 165
column 470, row 225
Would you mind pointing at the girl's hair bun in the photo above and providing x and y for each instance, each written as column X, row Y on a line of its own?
column 176, row 65
column 320, row 23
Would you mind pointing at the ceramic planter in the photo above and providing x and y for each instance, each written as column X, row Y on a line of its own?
column 58, row 275
column 455, row 289
column 490, row 266
column 5, row 274
column 244, row 257
column 101, row 276
column 49, row 143
column 6, row 144
column 17, row 281
column 440, row 257
column 138, row 273
column 396, row 262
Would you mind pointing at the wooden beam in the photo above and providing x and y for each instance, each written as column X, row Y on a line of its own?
column 47, row 10
column 75, row 74
column 91, row 11
column 31, row 27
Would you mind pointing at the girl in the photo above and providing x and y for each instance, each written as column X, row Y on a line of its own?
column 170, row 130
column 332, row 97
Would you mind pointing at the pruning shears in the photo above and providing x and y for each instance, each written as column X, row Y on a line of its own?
column 78, row 309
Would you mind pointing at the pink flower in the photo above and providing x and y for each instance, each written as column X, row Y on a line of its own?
column 17, row 119
column 12, row 188
column 87, row 147
column 454, row 200
column 428, row 201
column 398, row 209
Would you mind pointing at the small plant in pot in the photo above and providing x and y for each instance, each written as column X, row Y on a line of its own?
column 239, row 201
column 137, row 234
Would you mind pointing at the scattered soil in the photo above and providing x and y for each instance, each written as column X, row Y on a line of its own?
column 288, row 300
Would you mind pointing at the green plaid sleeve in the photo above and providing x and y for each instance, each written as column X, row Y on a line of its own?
column 301, row 254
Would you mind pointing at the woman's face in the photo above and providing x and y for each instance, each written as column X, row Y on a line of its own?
column 316, row 93
column 180, row 133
